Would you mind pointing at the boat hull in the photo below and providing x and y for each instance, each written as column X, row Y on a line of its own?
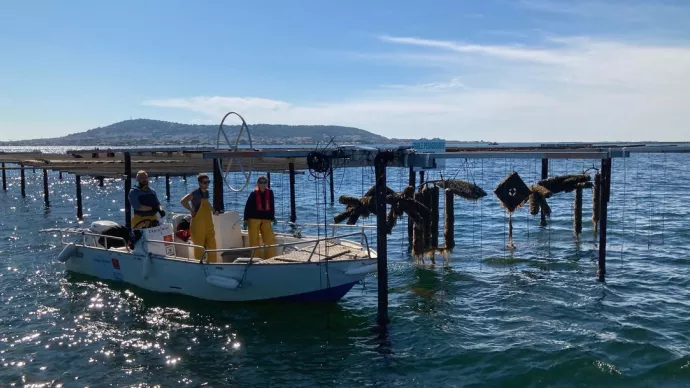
column 306, row 281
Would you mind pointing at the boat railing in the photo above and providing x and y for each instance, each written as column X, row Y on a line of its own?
column 253, row 249
column 92, row 242
column 84, row 234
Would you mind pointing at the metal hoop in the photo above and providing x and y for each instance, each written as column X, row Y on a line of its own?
column 247, row 173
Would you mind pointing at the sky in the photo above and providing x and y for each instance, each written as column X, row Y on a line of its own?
column 493, row 70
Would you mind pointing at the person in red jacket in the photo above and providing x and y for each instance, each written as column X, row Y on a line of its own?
column 259, row 215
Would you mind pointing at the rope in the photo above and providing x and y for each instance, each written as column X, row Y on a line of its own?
column 651, row 205
column 481, row 221
column 663, row 195
column 505, row 172
column 637, row 194
column 625, row 204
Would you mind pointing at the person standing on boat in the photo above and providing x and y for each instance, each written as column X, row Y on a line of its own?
column 201, row 229
column 145, row 203
column 259, row 214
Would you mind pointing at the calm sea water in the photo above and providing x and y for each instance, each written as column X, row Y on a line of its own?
column 533, row 316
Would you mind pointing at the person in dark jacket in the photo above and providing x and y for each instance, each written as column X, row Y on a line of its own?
column 259, row 215
column 145, row 204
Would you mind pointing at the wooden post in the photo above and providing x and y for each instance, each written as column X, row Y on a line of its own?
column 128, row 186
column 23, row 181
column 330, row 177
column 4, row 177
column 80, row 212
column 218, row 203
column 421, row 177
column 603, row 214
column 167, row 187
column 381, row 239
column 293, row 206
column 60, row 175
column 46, row 196
column 100, row 181
column 410, row 223
column 268, row 178
column 544, row 175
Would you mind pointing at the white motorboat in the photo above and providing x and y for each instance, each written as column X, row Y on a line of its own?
column 320, row 268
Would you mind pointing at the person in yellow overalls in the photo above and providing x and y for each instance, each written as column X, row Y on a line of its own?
column 259, row 214
column 145, row 204
column 201, row 229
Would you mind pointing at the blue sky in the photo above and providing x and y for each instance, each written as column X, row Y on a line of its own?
column 537, row 70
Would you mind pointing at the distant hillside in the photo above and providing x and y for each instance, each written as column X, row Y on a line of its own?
column 156, row 132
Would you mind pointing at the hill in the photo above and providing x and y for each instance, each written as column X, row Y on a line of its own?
column 156, row 132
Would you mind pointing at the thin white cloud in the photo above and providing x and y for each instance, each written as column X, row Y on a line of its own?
column 570, row 89
column 507, row 52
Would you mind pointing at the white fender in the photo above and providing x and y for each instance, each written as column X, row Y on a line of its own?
column 222, row 282
column 361, row 269
column 68, row 251
column 146, row 266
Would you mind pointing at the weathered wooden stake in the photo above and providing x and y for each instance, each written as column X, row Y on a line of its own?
column 330, row 178
column 544, row 175
column 128, row 186
column 101, row 181
column 218, row 202
column 577, row 208
column 46, row 196
column 167, row 187
column 4, row 177
column 421, row 178
column 410, row 223
column 293, row 205
column 603, row 214
column 23, row 181
column 268, row 178
column 381, row 239
column 80, row 212
column 60, row 175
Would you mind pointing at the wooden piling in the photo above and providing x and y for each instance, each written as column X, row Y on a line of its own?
column 218, row 202
column 293, row 205
column 23, row 181
column 60, row 175
column 603, row 214
column 80, row 212
column 544, row 175
column 128, row 187
column 4, row 177
column 577, row 208
column 330, row 178
column 101, row 181
column 421, row 178
column 268, row 179
column 46, row 196
column 167, row 187
column 410, row 223
column 449, row 221
column 381, row 239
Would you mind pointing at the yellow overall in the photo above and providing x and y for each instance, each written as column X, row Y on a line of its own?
column 202, row 232
column 254, row 226
column 136, row 219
